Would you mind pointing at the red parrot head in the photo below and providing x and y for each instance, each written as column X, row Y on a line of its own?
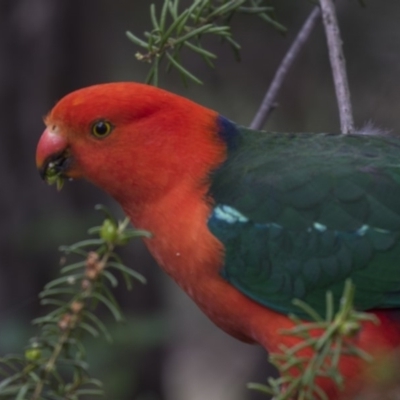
column 134, row 141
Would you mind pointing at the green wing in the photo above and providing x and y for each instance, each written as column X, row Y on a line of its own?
column 300, row 213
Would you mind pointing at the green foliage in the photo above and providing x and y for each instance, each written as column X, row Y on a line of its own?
column 54, row 176
column 326, row 349
column 54, row 363
column 175, row 29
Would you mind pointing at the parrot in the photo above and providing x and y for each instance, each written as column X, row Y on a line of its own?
column 244, row 221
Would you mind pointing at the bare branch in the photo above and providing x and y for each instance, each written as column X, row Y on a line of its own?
column 338, row 64
column 268, row 103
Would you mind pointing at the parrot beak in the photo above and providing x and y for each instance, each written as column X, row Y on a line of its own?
column 52, row 158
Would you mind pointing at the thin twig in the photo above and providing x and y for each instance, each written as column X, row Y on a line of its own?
column 338, row 64
column 268, row 103
column 48, row 369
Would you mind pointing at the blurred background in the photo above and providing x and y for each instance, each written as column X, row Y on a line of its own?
column 166, row 350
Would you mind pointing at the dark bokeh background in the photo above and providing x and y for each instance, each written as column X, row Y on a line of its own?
column 166, row 349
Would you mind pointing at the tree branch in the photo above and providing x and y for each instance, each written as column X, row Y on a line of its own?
column 268, row 103
column 338, row 64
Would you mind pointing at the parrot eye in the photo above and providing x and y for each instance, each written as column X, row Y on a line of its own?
column 101, row 129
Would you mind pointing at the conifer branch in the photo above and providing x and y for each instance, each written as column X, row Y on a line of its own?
column 269, row 101
column 175, row 29
column 338, row 65
column 73, row 297
column 327, row 347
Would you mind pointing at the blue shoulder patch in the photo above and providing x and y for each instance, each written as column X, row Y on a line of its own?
column 228, row 132
column 228, row 214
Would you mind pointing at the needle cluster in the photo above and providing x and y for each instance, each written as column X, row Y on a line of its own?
column 176, row 28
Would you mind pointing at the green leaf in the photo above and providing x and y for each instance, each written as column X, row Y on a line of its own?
column 273, row 22
column 23, row 391
column 70, row 279
column 226, row 8
column 74, row 266
column 106, row 212
column 83, row 243
column 127, row 270
column 329, row 306
column 154, row 17
column 194, row 32
column 45, row 320
column 320, row 393
column 150, row 75
column 54, row 302
column 135, row 39
column 183, row 70
column 255, row 10
column 114, row 310
column 163, row 17
column 57, row 292
column 6, row 382
column 89, row 328
column 308, row 310
column 132, row 233
column 200, row 50
column 235, row 46
column 167, row 34
column 76, row 363
column 94, row 230
column 102, row 328
column 173, row 8
column 111, row 278
column 67, row 250
column 95, row 382
column 220, row 30
column 260, row 388
column 110, row 296
column 199, row 10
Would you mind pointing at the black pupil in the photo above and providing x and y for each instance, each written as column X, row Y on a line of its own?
column 101, row 128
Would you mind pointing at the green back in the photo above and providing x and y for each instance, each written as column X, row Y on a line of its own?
column 299, row 213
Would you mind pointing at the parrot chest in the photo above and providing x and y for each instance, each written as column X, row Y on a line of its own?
column 196, row 271
column 193, row 257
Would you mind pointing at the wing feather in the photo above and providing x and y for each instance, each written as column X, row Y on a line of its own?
column 298, row 214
